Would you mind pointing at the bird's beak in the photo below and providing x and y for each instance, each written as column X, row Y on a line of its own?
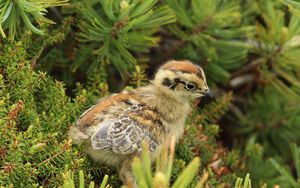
column 209, row 93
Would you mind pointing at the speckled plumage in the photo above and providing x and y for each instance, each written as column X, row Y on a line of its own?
column 113, row 130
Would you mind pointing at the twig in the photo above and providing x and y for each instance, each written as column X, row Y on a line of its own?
column 55, row 155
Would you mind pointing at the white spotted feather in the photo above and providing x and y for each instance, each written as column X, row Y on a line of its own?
column 122, row 135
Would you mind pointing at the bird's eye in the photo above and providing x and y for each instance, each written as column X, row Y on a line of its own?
column 190, row 86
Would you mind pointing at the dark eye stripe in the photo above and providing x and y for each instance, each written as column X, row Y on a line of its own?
column 167, row 82
column 177, row 80
column 190, row 86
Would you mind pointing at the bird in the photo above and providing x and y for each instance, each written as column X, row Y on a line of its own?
column 114, row 129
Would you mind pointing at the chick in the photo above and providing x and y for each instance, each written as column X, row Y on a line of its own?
column 114, row 129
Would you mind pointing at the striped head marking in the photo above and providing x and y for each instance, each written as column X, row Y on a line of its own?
column 184, row 67
column 182, row 78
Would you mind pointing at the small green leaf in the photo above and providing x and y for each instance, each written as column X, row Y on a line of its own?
column 188, row 174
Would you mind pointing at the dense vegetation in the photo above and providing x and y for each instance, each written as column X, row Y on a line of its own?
column 58, row 57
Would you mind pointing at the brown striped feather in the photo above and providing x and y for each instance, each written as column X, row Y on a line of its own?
column 153, row 125
column 184, row 66
column 103, row 105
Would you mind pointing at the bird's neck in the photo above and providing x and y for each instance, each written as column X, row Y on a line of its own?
column 172, row 108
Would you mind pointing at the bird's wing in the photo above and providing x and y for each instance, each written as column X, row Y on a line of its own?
column 122, row 135
column 89, row 116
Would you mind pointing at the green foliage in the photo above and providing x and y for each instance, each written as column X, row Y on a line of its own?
column 275, row 125
column 68, row 177
column 213, row 112
column 164, row 165
column 33, row 120
column 248, row 49
column 292, row 5
column 239, row 182
column 256, row 164
column 112, row 30
column 277, row 49
column 286, row 177
column 209, row 31
column 15, row 14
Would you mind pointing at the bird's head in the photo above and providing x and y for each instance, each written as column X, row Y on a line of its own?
column 181, row 80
